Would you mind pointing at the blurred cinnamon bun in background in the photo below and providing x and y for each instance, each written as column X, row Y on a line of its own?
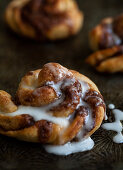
column 44, row 19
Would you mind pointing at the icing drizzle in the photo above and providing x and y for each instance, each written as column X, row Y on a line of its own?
column 116, row 125
column 71, row 147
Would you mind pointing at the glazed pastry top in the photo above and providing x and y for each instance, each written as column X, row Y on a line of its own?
column 63, row 105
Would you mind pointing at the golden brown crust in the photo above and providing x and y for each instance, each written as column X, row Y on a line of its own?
column 25, row 128
column 64, row 18
column 30, row 88
column 109, row 60
column 6, row 103
column 16, row 122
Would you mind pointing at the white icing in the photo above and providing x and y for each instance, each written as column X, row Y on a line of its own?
column 85, row 88
column 105, row 116
column 55, row 86
column 71, row 147
column 111, row 106
column 40, row 113
column 117, row 125
column 58, row 72
column 89, row 122
column 118, row 138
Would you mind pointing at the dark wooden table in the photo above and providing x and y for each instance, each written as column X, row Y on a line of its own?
column 18, row 56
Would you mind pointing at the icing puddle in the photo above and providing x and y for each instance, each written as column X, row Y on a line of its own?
column 116, row 125
column 71, row 147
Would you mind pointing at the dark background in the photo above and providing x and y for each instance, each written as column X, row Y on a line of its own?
column 19, row 55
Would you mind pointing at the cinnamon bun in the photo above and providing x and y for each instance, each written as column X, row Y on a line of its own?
column 55, row 106
column 107, row 38
column 44, row 19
